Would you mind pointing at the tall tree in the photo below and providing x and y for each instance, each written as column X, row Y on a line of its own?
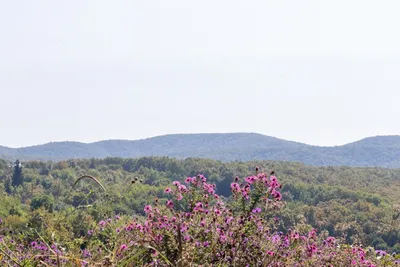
column 17, row 178
column 7, row 185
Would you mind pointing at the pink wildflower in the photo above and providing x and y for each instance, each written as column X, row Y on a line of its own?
column 170, row 204
column 168, row 190
column 147, row 209
column 123, row 247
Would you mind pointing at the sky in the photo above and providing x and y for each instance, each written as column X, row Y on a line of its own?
column 318, row 72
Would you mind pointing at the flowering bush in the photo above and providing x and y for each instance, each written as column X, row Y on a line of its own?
column 197, row 227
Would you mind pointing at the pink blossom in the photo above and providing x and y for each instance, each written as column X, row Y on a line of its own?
column 170, row 204
column 182, row 188
column 102, row 223
column 168, row 190
column 123, row 247
column 147, row 209
column 270, row 253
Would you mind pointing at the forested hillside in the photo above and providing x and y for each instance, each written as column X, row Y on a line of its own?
column 359, row 204
column 382, row 151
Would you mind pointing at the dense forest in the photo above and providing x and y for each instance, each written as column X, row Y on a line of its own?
column 379, row 151
column 361, row 205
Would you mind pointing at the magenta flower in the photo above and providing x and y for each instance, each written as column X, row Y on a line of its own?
column 270, row 253
column 148, row 209
column 102, row 223
column 202, row 178
column 123, row 247
column 184, row 228
column 129, row 227
column 250, row 179
column 217, row 212
column 170, row 204
column 182, row 188
column 86, row 253
column 312, row 234
column 223, row 238
column 277, row 195
column 139, row 227
column 168, row 190
column 199, row 205
column 312, row 249
column 235, row 187
column 295, row 235
column 256, row 210
column 209, row 188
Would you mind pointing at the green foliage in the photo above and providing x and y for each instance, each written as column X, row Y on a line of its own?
column 17, row 178
column 358, row 203
column 194, row 227
column 43, row 201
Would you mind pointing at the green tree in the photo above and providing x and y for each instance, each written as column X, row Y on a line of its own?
column 17, row 178
column 8, row 186
column 45, row 201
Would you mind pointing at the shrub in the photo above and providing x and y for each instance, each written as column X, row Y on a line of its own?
column 195, row 226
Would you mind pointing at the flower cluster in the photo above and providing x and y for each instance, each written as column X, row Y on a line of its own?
column 195, row 226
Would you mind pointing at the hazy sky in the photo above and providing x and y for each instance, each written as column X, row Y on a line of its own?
column 319, row 72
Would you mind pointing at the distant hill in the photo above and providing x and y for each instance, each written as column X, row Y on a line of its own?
column 382, row 151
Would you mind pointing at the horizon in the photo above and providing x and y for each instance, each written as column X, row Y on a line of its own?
column 150, row 137
column 133, row 69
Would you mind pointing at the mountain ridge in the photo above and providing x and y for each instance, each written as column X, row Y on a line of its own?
column 376, row 151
